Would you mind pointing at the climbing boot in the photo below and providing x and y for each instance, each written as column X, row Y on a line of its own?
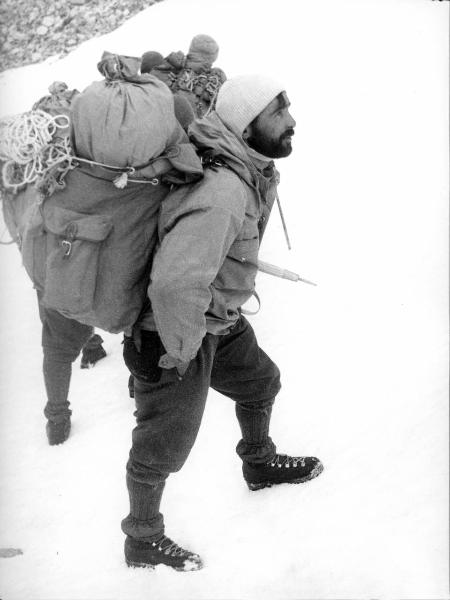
column 281, row 469
column 93, row 351
column 163, row 551
column 58, row 432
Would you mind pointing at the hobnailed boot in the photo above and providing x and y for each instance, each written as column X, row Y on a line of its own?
column 92, row 352
column 58, row 432
column 281, row 469
column 162, row 551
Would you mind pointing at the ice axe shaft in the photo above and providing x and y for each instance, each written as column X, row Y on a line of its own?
column 282, row 273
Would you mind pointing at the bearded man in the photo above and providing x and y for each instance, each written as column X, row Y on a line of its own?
column 193, row 335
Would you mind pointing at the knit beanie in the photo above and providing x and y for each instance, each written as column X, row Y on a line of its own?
column 150, row 60
column 242, row 98
column 205, row 46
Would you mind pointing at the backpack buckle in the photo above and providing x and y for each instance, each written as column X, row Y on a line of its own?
column 71, row 232
column 67, row 247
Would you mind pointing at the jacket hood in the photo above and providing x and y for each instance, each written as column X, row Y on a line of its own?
column 210, row 133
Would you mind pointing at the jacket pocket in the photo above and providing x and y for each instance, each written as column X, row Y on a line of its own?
column 240, row 266
column 74, row 246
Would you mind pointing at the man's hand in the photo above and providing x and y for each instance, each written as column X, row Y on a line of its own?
column 168, row 362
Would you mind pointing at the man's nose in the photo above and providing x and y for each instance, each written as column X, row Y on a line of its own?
column 292, row 122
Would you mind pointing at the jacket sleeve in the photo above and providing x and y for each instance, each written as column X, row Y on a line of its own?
column 190, row 255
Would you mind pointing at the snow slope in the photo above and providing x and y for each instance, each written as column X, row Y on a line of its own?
column 363, row 356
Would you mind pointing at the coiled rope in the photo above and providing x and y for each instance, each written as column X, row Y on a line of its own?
column 30, row 147
column 189, row 81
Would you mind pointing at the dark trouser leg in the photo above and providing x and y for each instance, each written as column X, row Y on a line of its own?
column 62, row 341
column 57, row 373
column 244, row 372
column 168, row 415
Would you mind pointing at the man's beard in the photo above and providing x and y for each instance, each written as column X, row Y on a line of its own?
column 272, row 148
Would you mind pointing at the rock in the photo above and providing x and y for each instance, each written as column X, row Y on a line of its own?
column 47, row 28
column 10, row 552
column 67, row 20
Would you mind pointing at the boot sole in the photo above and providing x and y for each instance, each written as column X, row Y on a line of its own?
column 139, row 565
column 253, row 487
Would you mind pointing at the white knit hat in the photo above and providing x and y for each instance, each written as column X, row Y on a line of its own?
column 242, row 98
column 205, row 46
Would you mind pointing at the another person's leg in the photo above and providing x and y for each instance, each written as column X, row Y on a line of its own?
column 62, row 341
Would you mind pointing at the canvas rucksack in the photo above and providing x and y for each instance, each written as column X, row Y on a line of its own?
column 88, row 245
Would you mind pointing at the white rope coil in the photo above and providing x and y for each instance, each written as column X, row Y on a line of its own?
column 30, row 147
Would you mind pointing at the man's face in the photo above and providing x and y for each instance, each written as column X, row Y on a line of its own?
column 271, row 132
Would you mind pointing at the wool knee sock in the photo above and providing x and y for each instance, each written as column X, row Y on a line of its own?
column 144, row 522
column 254, row 421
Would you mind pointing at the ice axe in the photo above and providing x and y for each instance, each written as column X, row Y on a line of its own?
column 282, row 273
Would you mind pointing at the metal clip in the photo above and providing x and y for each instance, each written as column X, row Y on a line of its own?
column 67, row 246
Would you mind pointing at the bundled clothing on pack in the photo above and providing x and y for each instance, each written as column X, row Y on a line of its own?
column 191, row 77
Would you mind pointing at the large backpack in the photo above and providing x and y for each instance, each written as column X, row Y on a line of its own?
column 88, row 245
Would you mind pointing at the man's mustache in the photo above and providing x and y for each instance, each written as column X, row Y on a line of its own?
column 288, row 133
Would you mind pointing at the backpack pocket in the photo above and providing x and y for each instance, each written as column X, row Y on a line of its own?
column 74, row 245
column 33, row 246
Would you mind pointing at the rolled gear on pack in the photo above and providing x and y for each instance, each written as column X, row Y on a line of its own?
column 58, row 103
column 193, row 76
column 168, row 69
column 88, row 247
column 199, row 80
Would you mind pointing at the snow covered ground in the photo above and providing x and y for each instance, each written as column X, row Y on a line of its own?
column 364, row 356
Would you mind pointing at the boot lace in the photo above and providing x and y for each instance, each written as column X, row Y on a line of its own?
column 169, row 547
column 283, row 460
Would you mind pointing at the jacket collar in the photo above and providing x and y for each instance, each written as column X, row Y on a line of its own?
column 212, row 135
